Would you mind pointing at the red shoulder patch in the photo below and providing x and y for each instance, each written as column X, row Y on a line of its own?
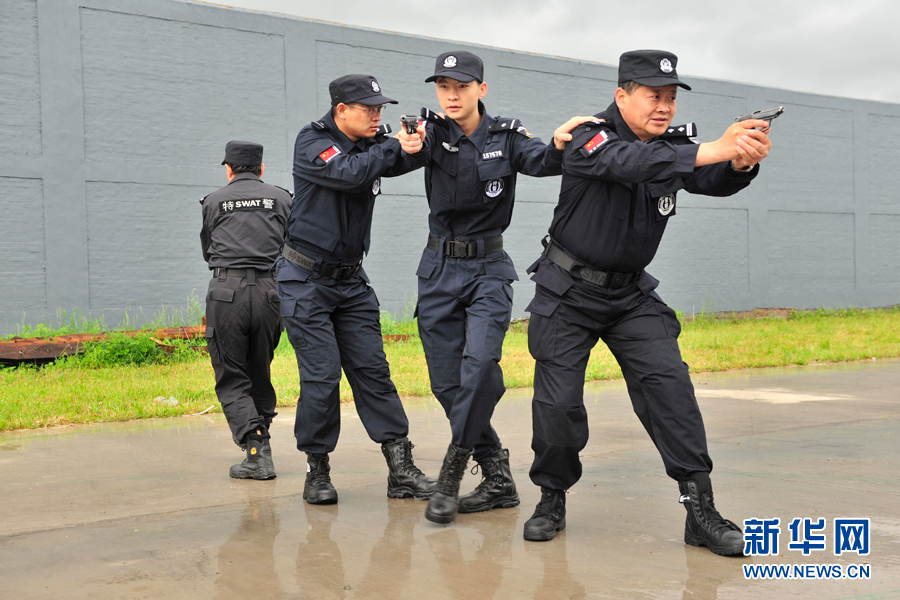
column 596, row 141
column 329, row 154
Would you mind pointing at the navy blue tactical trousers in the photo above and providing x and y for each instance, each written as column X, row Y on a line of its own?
column 568, row 317
column 464, row 307
column 335, row 325
column 243, row 326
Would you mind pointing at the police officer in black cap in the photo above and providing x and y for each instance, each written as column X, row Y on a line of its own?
column 243, row 229
column 621, row 175
column 465, row 276
column 330, row 311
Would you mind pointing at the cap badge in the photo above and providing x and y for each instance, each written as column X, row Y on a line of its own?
column 450, row 62
column 375, row 87
column 665, row 204
column 665, row 65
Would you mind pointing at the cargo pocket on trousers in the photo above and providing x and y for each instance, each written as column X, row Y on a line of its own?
column 542, row 328
column 212, row 346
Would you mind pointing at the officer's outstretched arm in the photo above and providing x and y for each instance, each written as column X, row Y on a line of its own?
column 741, row 143
column 596, row 152
column 320, row 162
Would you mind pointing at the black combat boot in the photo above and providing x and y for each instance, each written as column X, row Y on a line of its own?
column 548, row 518
column 318, row 488
column 405, row 480
column 444, row 502
column 497, row 488
column 704, row 526
column 258, row 464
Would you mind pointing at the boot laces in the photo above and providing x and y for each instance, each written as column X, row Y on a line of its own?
column 488, row 475
column 405, row 463
column 320, row 470
column 715, row 521
column 547, row 505
column 451, row 474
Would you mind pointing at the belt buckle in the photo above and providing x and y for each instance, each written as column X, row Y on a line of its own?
column 458, row 249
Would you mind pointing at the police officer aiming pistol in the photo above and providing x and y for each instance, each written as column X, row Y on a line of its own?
column 330, row 310
column 465, row 277
column 243, row 229
column 621, row 176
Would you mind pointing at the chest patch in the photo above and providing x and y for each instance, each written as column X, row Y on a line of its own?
column 450, row 148
column 227, row 206
column 493, row 188
column 665, row 204
column 490, row 155
column 329, row 154
column 376, row 187
column 598, row 140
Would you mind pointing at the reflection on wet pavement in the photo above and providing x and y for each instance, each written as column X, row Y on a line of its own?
column 146, row 509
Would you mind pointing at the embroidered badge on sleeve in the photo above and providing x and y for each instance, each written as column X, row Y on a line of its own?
column 329, row 154
column 596, row 141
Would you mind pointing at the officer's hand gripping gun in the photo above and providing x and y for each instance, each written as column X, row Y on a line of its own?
column 765, row 115
column 411, row 122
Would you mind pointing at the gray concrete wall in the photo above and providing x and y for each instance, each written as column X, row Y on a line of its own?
column 114, row 115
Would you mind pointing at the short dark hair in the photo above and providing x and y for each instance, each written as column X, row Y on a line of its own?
column 255, row 169
column 630, row 86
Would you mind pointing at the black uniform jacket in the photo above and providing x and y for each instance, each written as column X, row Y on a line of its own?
column 470, row 181
column 618, row 193
column 336, row 181
column 243, row 223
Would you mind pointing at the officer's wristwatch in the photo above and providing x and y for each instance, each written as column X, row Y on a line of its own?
column 744, row 170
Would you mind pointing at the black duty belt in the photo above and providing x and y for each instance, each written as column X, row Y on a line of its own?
column 467, row 249
column 251, row 274
column 324, row 269
column 557, row 254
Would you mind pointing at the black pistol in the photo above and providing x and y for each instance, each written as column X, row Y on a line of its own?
column 411, row 122
column 765, row 115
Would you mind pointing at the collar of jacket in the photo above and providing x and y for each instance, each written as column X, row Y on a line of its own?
column 244, row 175
column 334, row 132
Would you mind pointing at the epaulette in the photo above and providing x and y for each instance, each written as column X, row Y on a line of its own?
column 505, row 125
column 320, row 126
column 686, row 130
column 204, row 198
column 429, row 115
column 598, row 123
column 384, row 129
column 290, row 193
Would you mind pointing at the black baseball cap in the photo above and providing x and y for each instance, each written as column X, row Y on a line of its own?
column 363, row 89
column 461, row 66
column 654, row 68
column 243, row 154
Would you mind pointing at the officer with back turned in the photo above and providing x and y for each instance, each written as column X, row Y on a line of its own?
column 620, row 178
column 243, row 229
column 330, row 310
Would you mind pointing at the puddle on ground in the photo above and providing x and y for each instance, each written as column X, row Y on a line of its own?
column 771, row 395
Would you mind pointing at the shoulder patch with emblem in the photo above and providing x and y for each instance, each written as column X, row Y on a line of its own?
column 329, row 154
column 595, row 142
column 686, row 130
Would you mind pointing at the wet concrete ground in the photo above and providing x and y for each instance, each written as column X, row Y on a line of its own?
column 146, row 509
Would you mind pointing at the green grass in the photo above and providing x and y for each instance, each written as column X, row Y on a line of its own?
column 74, row 391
